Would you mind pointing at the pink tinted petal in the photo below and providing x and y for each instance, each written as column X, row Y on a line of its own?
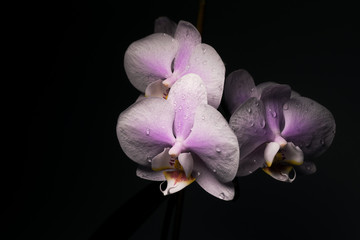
column 148, row 174
column 252, row 161
column 239, row 87
column 214, row 142
column 208, row 180
column 149, row 59
column 249, row 125
column 187, row 163
column 188, row 37
column 274, row 98
column 308, row 125
column 165, row 25
column 145, row 129
column 206, row 62
column 186, row 95
column 264, row 85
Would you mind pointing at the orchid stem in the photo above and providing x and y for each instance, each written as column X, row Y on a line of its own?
column 200, row 19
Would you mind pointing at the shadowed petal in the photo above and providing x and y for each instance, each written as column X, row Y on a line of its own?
column 206, row 62
column 165, row 25
column 282, row 173
column 149, row 59
column 306, row 168
column 214, row 142
column 188, row 37
column 187, row 163
column 148, row 174
column 252, row 161
column 308, row 125
column 208, row 180
column 145, row 129
column 274, row 98
column 186, row 95
column 157, row 89
column 249, row 125
column 239, row 87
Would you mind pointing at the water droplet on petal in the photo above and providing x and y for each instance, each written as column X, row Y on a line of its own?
column 149, row 159
column 263, row 123
column 203, row 117
column 214, row 170
column 252, row 89
column 257, row 104
column 204, row 49
column 183, row 97
column 322, row 142
column 180, row 108
column 198, row 173
column 218, row 150
column 251, row 124
column 147, row 132
column 254, row 160
column 250, row 171
column 222, row 196
column 205, row 62
column 249, row 110
column 286, row 106
column 273, row 114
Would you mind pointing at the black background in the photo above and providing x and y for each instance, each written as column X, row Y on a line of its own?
column 73, row 87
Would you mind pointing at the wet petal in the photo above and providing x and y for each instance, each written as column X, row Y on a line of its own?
column 149, row 59
column 157, row 89
column 270, row 151
column 145, row 129
column 252, row 161
column 206, row 62
column 308, row 125
column 186, row 95
column 208, row 180
column 306, row 168
column 249, row 125
column 176, row 181
column 148, row 174
column 274, row 97
column 187, row 163
column 282, row 173
column 239, row 87
column 188, row 37
column 292, row 154
column 214, row 142
column 165, row 25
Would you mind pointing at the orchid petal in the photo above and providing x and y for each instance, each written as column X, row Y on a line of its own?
column 162, row 161
column 148, row 174
column 208, row 180
column 145, row 129
column 292, row 154
column 281, row 172
column 214, row 142
column 252, row 161
column 206, row 62
column 270, row 151
column 165, row 25
column 249, row 125
column 156, row 89
column 188, row 37
column 176, row 181
column 308, row 125
column 306, row 168
column 149, row 59
column 239, row 87
column 274, row 97
column 185, row 95
column 187, row 162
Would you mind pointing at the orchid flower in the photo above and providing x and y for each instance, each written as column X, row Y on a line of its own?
column 181, row 139
column 277, row 129
column 153, row 64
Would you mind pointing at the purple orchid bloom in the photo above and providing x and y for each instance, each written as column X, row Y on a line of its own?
column 181, row 140
column 276, row 127
column 153, row 64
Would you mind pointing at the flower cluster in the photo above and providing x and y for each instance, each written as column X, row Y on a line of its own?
column 176, row 135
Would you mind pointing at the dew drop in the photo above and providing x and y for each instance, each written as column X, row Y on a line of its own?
column 322, row 142
column 286, row 106
column 198, row 173
column 250, row 171
column 222, row 196
column 147, row 132
column 180, row 108
column 214, row 170
column 218, row 150
column 252, row 124
column 252, row 89
column 203, row 117
column 205, row 62
column 149, row 159
column 204, row 49
column 257, row 104
column 254, row 160
column 263, row 123
column 183, row 96
column 249, row 110
column 273, row 114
